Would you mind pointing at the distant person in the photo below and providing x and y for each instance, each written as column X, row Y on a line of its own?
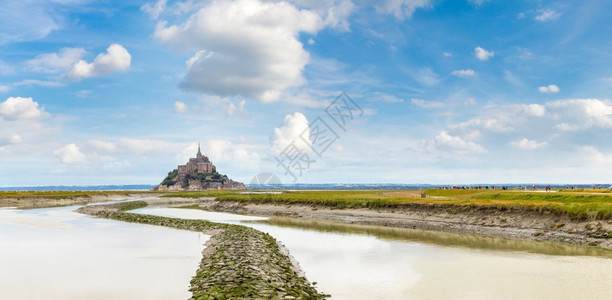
column 534, row 187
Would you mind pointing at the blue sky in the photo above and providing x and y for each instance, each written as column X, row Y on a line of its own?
column 443, row 92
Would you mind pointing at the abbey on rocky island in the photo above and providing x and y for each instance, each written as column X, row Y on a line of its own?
column 198, row 174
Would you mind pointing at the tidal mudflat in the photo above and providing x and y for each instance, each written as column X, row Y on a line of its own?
column 55, row 253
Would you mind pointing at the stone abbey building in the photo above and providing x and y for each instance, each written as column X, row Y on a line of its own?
column 199, row 164
column 198, row 174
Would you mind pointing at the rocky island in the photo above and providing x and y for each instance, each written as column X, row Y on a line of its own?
column 198, row 174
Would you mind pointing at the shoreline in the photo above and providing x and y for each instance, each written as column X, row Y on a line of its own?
column 519, row 224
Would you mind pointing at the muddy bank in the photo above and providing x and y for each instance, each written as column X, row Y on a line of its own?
column 544, row 226
column 238, row 261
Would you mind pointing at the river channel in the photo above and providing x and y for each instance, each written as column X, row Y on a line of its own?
column 55, row 253
column 359, row 262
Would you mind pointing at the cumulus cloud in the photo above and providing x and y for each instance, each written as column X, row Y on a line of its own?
column 549, row 89
column 243, row 47
column 464, row 73
column 58, row 62
column 292, row 131
column 18, row 108
column 547, row 15
column 22, row 120
column 90, row 156
column 536, row 110
column 581, row 114
column 526, row 144
column 116, row 59
column 427, row 104
column 445, row 139
column 400, row 9
column 180, row 107
column 10, row 139
column 70, row 154
column 483, row 54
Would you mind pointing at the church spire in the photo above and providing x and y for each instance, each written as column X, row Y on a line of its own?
column 199, row 152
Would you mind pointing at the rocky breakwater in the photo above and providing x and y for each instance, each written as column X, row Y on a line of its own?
column 238, row 261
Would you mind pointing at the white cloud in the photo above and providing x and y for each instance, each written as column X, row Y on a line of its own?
column 233, row 108
column 382, row 97
column 535, row 110
column 308, row 98
column 116, row 59
column 26, row 20
column 333, row 12
column 180, row 107
column 478, row 2
column 59, row 62
column 581, row 114
column 154, row 10
column 457, row 143
column 30, row 82
column 10, row 139
column 102, row 146
column 464, row 73
column 426, row 76
column 490, row 124
column 483, row 54
column 510, row 77
column 87, row 161
column 291, row 131
column 526, row 144
column 427, row 104
column 547, row 15
column 400, row 9
column 18, row 108
column 70, row 154
column 243, row 47
column 5, row 68
column 549, row 89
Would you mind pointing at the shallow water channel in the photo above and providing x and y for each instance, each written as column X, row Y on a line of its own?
column 55, row 253
column 365, row 262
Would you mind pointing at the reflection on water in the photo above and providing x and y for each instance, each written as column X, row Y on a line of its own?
column 442, row 238
column 365, row 262
column 54, row 253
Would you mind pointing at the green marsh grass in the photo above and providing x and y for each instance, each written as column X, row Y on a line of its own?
column 577, row 205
